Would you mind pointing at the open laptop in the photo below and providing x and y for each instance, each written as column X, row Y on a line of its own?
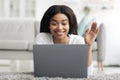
column 60, row 60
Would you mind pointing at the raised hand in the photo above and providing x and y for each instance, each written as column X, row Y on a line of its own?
column 91, row 34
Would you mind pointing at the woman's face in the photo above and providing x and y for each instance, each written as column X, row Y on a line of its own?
column 59, row 26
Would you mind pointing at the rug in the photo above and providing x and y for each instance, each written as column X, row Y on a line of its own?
column 30, row 76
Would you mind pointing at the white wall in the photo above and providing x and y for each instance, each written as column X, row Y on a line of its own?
column 42, row 6
column 112, row 21
column 110, row 16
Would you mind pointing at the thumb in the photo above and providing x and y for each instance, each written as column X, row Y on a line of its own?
column 87, row 31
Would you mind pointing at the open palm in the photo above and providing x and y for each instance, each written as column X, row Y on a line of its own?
column 91, row 34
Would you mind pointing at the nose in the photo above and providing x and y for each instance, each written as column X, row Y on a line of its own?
column 60, row 26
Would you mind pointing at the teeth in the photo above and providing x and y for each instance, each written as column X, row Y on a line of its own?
column 59, row 32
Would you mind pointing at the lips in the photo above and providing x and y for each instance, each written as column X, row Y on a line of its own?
column 59, row 33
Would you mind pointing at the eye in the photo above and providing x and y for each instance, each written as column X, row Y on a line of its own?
column 53, row 23
column 65, row 23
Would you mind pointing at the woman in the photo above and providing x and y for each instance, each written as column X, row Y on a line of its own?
column 59, row 26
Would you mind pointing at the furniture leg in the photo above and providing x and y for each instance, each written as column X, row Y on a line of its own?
column 100, row 65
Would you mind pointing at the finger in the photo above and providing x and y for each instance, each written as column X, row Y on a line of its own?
column 87, row 31
column 94, row 27
column 97, row 30
column 94, row 24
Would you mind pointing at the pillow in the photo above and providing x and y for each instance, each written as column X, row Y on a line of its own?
column 84, row 24
column 81, row 26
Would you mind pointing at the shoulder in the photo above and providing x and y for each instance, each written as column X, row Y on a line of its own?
column 43, row 38
column 75, row 36
column 76, row 39
column 43, row 35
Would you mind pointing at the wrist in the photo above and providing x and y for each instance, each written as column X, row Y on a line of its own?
column 89, row 46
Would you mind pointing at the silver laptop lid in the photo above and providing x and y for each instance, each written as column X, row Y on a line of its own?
column 60, row 60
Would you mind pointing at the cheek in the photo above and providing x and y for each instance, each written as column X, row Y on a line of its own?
column 51, row 29
column 68, row 28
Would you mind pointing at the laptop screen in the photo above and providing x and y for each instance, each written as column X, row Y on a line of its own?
column 60, row 60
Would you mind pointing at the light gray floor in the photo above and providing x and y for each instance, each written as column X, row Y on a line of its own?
column 27, row 66
column 108, row 70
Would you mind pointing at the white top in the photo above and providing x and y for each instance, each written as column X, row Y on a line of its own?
column 46, row 38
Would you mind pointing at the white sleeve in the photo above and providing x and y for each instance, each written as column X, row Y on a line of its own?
column 44, row 38
column 90, row 70
column 76, row 39
column 39, row 39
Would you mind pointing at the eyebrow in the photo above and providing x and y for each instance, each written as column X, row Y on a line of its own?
column 56, row 20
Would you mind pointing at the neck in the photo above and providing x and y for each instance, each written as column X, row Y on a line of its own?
column 61, row 41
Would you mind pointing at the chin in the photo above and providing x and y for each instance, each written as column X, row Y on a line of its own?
column 59, row 37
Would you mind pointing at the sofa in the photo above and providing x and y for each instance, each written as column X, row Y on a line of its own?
column 17, row 38
column 99, row 46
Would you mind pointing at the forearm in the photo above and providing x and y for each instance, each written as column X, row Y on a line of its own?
column 89, row 55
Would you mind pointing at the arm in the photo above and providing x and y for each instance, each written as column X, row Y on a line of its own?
column 90, row 37
column 89, row 55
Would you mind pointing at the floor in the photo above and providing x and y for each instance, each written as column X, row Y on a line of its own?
column 27, row 66
column 108, row 70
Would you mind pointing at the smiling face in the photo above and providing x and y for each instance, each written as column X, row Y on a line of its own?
column 59, row 26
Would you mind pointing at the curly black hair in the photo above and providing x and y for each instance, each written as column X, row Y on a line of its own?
column 53, row 10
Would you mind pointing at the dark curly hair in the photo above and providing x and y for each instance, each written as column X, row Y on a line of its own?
column 53, row 10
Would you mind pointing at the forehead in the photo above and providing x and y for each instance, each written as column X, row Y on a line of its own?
column 60, row 16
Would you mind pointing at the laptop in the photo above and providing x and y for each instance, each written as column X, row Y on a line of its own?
column 60, row 60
